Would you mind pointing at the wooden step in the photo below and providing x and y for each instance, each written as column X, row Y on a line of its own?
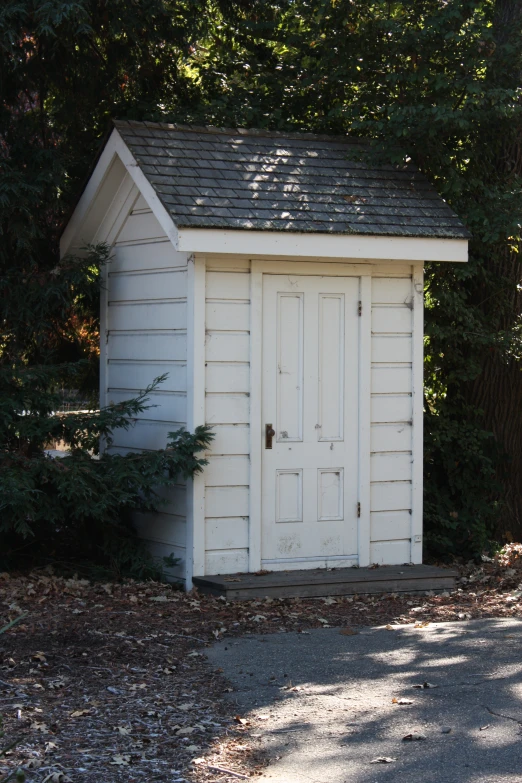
column 321, row 582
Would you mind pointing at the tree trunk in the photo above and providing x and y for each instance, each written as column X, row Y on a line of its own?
column 498, row 389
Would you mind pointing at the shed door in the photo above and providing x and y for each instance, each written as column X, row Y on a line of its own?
column 310, row 397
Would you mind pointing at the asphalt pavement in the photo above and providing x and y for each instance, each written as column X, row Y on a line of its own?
column 325, row 704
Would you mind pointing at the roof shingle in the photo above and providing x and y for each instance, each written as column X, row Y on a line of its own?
column 247, row 179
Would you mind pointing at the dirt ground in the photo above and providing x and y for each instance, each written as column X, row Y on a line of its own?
column 110, row 682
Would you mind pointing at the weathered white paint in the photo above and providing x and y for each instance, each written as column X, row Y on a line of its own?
column 393, row 338
column 101, row 192
column 310, row 396
column 144, row 326
column 418, row 404
column 195, row 414
column 280, row 243
column 227, row 384
column 201, row 321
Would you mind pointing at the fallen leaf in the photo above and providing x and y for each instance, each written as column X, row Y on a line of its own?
column 414, row 736
column 348, row 632
column 40, row 727
column 382, row 760
column 402, row 701
column 241, row 720
column 39, row 656
column 80, row 713
column 123, row 731
column 186, row 730
column 121, row 761
column 483, row 728
column 421, row 625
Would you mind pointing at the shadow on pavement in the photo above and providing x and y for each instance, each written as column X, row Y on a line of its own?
column 322, row 702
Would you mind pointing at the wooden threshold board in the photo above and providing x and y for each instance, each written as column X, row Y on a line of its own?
column 321, row 582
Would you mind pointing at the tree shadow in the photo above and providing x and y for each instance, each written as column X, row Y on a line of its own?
column 331, row 711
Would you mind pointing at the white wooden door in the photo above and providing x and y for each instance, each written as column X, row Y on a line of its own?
column 310, row 397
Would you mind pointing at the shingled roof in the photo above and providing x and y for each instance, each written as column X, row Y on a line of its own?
column 261, row 180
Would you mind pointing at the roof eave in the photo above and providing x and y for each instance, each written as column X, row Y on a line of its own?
column 321, row 245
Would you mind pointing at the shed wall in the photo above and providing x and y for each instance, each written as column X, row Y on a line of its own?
column 146, row 336
column 227, row 397
column 228, row 411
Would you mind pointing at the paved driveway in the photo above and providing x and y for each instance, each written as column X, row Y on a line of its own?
column 323, row 702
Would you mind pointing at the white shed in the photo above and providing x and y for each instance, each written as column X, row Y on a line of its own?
column 279, row 283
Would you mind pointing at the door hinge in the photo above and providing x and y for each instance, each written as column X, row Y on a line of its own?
column 358, row 509
column 359, row 309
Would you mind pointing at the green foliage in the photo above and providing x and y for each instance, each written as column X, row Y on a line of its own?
column 65, row 69
column 436, row 80
column 81, row 502
column 439, row 82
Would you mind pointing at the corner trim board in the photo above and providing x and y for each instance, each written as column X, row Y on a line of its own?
column 195, row 564
column 418, row 405
column 256, row 425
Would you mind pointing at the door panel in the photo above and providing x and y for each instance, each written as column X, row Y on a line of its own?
column 310, row 396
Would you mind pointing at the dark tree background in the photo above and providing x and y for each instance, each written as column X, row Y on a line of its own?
column 439, row 80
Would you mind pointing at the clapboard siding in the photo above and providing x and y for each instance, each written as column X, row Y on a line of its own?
column 139, row 227
column 145, row 435
column 226, row 502
column 226, row 533
column 390, row 525
column 227, row 346
column 146, row 337
column 236, row 316
column 164, row 406
column 391, row 437
column 138, row 374
column 390, row 552
column 228, row 377
column 226, row 561
column 227, row 471
column 126, row 316
column 391, row 419
column 148, row 345
column 227, row 384
column 160, row 255
column 227, row 408
column 231, row 439
column 228, row 404
column 142, row 286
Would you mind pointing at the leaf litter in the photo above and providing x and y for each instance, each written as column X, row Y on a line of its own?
column 110, row 681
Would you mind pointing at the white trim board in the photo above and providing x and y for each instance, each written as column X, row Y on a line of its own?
column 280, row 243
column 101, row 190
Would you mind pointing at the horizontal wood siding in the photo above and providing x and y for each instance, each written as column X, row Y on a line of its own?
column 228, row 409
column 391, row 418
column 146, row 338
column 227, row 385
